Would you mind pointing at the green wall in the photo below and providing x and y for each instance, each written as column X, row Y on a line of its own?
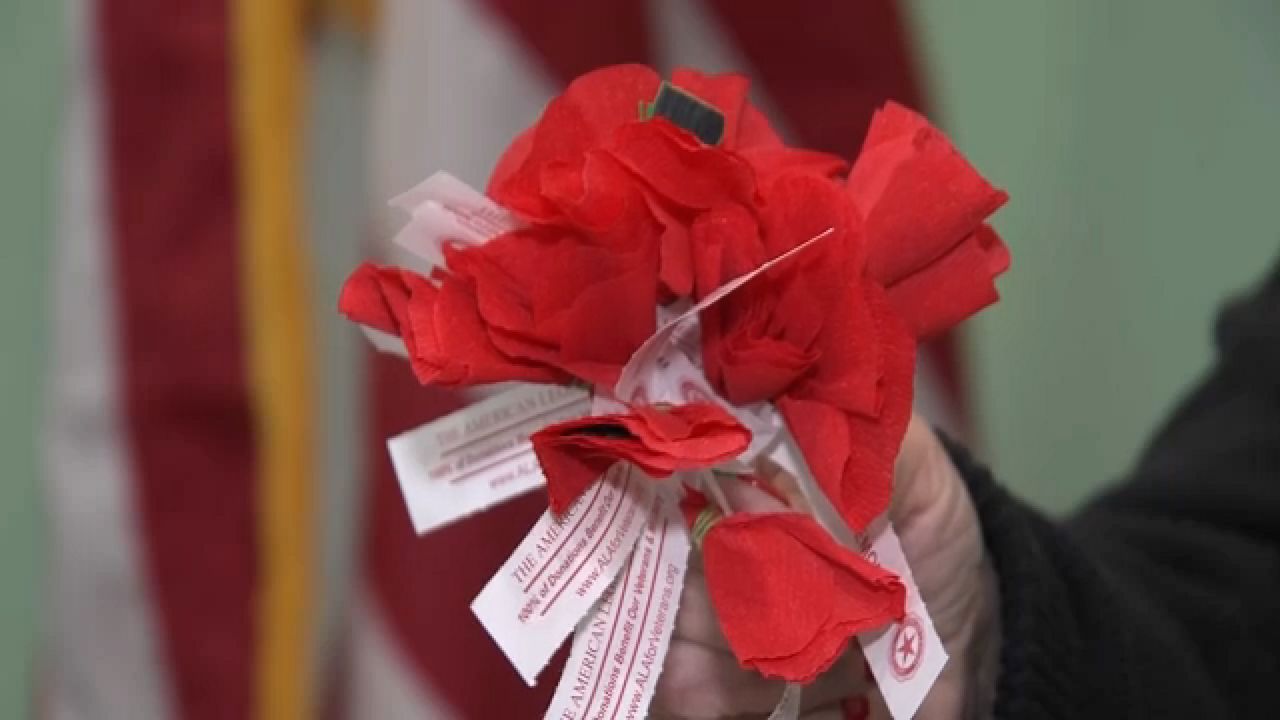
column 1139, row 143
column 30, row 83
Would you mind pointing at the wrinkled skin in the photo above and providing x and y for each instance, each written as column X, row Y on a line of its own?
column 935, row 519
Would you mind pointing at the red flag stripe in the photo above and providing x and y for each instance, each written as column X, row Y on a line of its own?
column 187, row 405
column 571, row 37
column 825, row 69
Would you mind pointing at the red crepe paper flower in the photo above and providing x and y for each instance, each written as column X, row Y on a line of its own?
column 443, row 334
column 789, row 597
column 830, row 336
column 538, row 304
column 595, row 124
column 851, row 453
column 925, row 210
column 623, row 213
column 609, row 199
column 575, row 453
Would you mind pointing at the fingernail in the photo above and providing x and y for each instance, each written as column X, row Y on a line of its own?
column 856, row 708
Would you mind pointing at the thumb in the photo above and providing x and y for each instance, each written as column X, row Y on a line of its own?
column 920, row 478
column 752, row 494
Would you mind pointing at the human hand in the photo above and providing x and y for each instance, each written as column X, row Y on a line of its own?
column 936, row 523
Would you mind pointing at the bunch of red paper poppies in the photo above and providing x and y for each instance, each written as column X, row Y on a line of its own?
column 625, row 211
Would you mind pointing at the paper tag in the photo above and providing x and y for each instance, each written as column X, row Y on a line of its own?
column 480, row 455
column 385, row 342
column 562, row 567
column 619, row 650
column 445, row 209
column 905, row 657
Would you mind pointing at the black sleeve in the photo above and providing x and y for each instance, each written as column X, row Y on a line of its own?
column 1161, row 597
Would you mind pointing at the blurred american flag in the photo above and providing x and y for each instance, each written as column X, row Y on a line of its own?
column 215, row 436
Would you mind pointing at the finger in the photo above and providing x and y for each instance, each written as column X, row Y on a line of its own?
column 697, row 621
column 826, row 712
column 845, row 679
column 744, row 497
column 877, row 709
column 699, row 682
column 919, row 480
column 916, row 445
column 783, row 483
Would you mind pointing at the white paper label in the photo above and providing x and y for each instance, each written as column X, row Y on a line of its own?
column 619, row 649
column 905, row 657
column 445, row 209
column 480, row 455
column 561, row 569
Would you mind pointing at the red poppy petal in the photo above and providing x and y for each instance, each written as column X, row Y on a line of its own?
column 789, row 597
column 609, row 97
column 454, row 348
column 680, row 168
column 770, row 161
column 588, row 111
column 675, row 251
column 497, row 270
column 798, row 206
column 920, row 197
column 953, row 287
column 725, row 242
column 822, row 432
column 759, row 369
column 851, row 454
column 659, row 442
column 849, row 372
column 569, row 466
column 770, row 595
column 551, row 297
column 374, row 296
column 805, row 665
column 754, row 130
column 599, row 198
column 691, row 435
column 608, row 320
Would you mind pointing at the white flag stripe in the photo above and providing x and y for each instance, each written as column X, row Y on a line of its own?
column 382, row 683
column 103, row 654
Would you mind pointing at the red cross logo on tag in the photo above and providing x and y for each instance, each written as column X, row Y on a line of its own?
column 692, row 393
column 907, row 648
column 640, row 396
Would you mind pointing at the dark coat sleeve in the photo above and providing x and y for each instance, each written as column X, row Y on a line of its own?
column 1161, row 597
